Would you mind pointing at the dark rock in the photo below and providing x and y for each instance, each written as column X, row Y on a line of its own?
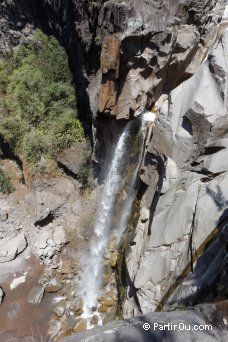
column 73, row 158
column 132, row 329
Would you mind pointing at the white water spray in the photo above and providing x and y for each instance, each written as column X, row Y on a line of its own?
column 104, row 227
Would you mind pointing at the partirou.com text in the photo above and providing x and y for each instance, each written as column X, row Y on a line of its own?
column 175, row 327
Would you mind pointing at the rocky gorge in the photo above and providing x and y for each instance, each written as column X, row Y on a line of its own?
column 165, row 58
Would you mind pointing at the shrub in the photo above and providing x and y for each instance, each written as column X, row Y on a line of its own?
column 6, row 186
column 38, row 115
column 85, row 172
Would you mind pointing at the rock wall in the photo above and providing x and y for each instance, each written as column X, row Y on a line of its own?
column 185, row 174
column 165, row 326
column 149, row 47
column 147, row 50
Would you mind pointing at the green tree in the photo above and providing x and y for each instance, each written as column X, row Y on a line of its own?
column 38, row 116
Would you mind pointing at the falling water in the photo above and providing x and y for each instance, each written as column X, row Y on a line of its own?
column 129, row 151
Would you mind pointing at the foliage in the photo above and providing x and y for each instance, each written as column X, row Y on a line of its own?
column 85, row 173
column 6, row 186
column 38, row 115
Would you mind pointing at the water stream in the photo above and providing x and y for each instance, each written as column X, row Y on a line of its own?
column 115, row 206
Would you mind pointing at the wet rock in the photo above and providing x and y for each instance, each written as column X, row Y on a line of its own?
column 106, row 278
column 107, row 300
column 35, row 295
column 109, row 317
column 3, row 215
column 1, row 294
column 113, row 259
column 79, row 306
column 60, row 308
column 10, row 248
column 53, row 286
column 94, row 320
column 112, row 245
column 81, row 325
column 54, row 328
column 107, row 268
column 132, row 329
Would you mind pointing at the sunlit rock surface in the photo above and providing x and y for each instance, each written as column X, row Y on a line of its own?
column 189, row 199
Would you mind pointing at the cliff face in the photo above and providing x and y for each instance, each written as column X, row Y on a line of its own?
column 185, row 202
column 149, row 47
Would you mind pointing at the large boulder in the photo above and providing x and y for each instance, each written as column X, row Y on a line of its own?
column 74, row 158
column 10, row 248
column 202, row 323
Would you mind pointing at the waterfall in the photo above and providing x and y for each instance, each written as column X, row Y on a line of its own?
column 117, row 197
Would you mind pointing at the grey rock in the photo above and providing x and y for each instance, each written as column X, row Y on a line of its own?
column 144, row 215
column 60, row 308
column 131, row 330
column 73, row 159
column 49, row 252
column 52, row 286
column 35, row 295
column 10, row 248
column 191, row 132
column 52, row 198
column 59, row 236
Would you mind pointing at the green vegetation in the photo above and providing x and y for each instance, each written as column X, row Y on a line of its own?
column 38, row 115
column 85, row 173
column 6, row 186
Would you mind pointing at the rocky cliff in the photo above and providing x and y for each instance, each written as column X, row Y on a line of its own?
column 169, row 57
column 149, row 47
column 185, row 209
